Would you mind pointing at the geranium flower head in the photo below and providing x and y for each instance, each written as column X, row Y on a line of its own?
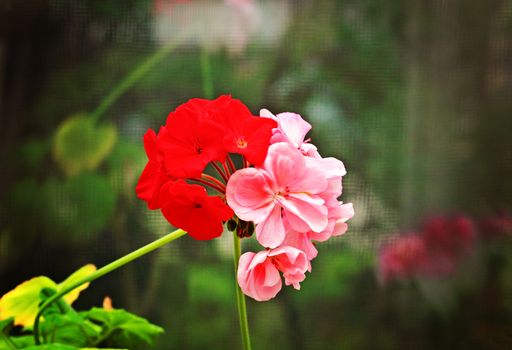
column 285, row 192
column 284, row 187
column 402, row 258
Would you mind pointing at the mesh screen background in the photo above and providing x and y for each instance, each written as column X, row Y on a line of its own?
column 413, row 96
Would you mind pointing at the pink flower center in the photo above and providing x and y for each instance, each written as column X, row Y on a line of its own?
column 281, row 194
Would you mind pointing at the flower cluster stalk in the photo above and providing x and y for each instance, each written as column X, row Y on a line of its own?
column 103, row 271
column 240, row 297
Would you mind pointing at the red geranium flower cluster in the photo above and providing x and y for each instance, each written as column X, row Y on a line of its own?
column 197, row 134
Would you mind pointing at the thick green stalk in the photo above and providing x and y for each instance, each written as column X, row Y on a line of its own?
column 240, row 297
column 134, row 76
column 105, row 270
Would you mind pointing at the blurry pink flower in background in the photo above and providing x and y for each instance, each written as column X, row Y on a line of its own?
column 211, row 24
column 434, row 252
column 247, row 19
column 453, row 236
column 166, row 6
column 496, row 226
column 402, row 258
column 448, row 241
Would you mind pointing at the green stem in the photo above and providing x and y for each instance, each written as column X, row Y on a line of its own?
column 133, row 77
column 240, row 297
column 105, row 270
column 206, row 74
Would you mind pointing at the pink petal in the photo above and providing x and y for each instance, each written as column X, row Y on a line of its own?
column 292, row 262
column 346, row 212
column 250, row 187
column 312, row 180
column 272, row 277
column 284, row 164
column 249, row 195
column 270, row 232
column 331, row 167
column 302, row 242
column 305, row 208
column 258, row 277
column 265, row 113
column 339, row 213
column 310, row 150
column 294, row 127
column 326, row 233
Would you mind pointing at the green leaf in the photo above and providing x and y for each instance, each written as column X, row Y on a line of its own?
column 124, row 329
column 81, row 273
column 22, row 341
column 71, row 329
column 22, row 302
column 81, row 145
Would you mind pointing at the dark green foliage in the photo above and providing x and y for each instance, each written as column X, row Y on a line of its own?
column 97, row 328
column 70, row 329
column 123, row 329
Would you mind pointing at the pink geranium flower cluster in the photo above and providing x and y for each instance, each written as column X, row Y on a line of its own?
column 435, row 251
column 285, row 191
column 293, row 200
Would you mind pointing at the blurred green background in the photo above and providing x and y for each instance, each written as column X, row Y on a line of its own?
column 414, row 97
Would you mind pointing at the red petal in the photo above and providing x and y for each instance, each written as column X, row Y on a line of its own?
column 190, row 208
